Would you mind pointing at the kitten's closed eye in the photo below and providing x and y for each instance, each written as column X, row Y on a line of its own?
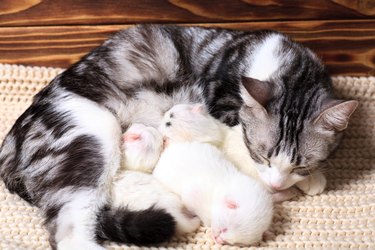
column 231, row 204
column 130, row 137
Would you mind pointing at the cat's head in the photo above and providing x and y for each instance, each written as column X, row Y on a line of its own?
column 290, row 130
column 242, row 213
column 190, row 122
column 141, row 146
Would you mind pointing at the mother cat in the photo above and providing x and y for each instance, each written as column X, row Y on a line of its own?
column 63, row 151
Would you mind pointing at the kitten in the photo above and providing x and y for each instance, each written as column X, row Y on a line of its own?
column 238, row 209
column 142, row 146
column 64, row 150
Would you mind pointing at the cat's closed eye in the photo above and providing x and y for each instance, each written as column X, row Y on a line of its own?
column 266, row 161
column 303, row 170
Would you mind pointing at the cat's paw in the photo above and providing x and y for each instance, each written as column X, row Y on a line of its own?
column 313, row 184
column 285, row 195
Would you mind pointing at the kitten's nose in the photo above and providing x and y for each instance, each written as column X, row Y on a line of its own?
column 218, row 240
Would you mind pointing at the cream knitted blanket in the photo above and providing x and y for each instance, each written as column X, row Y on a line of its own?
column 343, row 217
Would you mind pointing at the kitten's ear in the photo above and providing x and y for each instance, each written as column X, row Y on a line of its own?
column 130, row 137
column 231, row 204
column 336, row 116
column 198, row 108
column 256, row 92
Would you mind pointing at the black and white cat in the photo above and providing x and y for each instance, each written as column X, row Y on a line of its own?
column 63, row 151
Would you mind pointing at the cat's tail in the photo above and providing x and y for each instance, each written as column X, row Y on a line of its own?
column 145, row 227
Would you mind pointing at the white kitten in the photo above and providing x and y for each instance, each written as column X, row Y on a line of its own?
column 142, row 146
column 193, row 124
column 238, row 208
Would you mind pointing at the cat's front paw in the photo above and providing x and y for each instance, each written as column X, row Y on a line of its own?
column 285, row 195
column 313, row 184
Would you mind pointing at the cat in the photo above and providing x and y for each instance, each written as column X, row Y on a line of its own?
column 141, row 149
column 236, row 151
column 63, row 151
column 236, row 207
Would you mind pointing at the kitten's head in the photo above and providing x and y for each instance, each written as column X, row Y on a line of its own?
column 190, row 122
column 142, row 146
column 291, row 121
column 241, row 213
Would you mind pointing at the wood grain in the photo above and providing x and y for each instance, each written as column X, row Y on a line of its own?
column 347, row 47
column 81, row 12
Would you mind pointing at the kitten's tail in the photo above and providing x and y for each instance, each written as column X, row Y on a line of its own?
column 145, row 227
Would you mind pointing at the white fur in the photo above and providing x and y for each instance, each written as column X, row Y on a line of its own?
column 313, row 184
column 236, row 151
column 191, row 123
column 265, row 60
column 141, row 154
column 199, row 172
column 139, row 191
column 76, row 223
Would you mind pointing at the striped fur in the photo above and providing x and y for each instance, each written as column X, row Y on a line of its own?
column 62, row 153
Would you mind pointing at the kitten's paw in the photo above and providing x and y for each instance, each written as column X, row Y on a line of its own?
column 193, row 225
column 187, row 222
column 285, row 195
column 314, row 184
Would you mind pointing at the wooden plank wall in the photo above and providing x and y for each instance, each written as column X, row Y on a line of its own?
column 58, row 33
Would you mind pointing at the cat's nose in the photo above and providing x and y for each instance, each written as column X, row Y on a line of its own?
column 275, row 187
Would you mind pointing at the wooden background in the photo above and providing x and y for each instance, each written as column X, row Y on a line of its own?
column 58, row 33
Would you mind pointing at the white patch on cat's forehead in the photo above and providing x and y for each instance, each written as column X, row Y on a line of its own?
column 266, row 60
column 281, row 161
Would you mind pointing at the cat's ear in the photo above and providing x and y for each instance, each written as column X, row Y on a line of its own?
column 256, row 93
column 130, row 137
column 231, row 204
column 198, row 109
column 336, row 116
